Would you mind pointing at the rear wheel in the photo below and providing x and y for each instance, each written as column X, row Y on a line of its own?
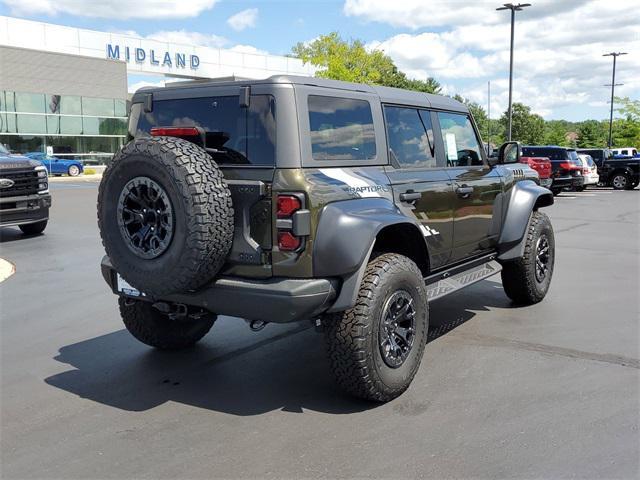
column 620, row 181
column 34, row 228
column 526, row 280
column 160, row 330
column 375, row 348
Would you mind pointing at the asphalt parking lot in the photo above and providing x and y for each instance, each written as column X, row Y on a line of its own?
column 548, row 391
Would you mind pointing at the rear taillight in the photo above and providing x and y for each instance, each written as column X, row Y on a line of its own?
column 287, row 241
column 287, row 205
column 292, row 222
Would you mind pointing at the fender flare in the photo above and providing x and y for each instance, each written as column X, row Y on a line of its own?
column 347, row 232
column 522, row 200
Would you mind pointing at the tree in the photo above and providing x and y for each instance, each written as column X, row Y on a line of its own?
column 591, row 134
column 555, row 133
column 629, row 108
column 527, row 127
column 626, row 131
column 352, row 62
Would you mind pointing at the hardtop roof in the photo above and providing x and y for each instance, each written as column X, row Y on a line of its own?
column 386, row 94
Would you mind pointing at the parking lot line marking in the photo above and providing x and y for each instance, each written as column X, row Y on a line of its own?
column 6, row 269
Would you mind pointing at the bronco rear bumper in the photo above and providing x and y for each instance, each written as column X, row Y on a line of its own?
column 277, row 300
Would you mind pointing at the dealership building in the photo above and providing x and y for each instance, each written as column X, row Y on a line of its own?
column 64, row 90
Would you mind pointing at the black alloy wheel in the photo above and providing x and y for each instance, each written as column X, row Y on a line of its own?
column 542, row 258
column 145, row 217
column 397, row 329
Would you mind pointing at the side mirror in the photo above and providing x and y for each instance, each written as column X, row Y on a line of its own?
column 510, row 152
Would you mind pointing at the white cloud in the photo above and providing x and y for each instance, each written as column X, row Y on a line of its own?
column 248, row 49
column 558, row 55
column 244, row 19
column 117, row 9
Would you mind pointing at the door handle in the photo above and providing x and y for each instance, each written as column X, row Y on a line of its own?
column 410, row 196
column 464, row 191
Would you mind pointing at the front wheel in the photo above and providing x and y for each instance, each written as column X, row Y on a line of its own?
column 34, row 228
column 160, row 330
column 526, row 280
column 73, row 171
column 375, row 348
column 620, row 181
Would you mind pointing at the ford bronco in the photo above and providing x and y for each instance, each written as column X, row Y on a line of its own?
column 294, row 198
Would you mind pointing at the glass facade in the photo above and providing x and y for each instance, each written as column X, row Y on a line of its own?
column 85, row 128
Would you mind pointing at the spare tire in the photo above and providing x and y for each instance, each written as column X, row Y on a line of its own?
column 165, row 215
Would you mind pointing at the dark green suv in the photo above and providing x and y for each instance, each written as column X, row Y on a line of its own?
column 293, row 199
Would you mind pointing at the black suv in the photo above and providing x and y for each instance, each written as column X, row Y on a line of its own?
column 24, row 193
column 566, row 169
column 621, row 173
column 298, row 198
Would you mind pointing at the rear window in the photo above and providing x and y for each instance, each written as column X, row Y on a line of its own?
column 341, row 129
column 235, row 135
column 553, row 154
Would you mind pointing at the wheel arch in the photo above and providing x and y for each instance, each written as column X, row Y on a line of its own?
column 365, row 225
column 523, row 199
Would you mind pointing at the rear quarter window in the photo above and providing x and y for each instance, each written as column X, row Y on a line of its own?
column 341, row 129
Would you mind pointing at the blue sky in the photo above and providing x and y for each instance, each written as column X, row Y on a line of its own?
column 462, row 43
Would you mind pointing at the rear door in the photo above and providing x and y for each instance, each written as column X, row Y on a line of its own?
column 421, row 186
column 477, row 187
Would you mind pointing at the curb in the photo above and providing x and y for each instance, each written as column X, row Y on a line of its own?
column 80, row 178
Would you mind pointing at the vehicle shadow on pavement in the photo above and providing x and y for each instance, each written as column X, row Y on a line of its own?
column 233, row 370
column 11, row 234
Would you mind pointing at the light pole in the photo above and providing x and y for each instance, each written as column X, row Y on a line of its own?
column 615, row 55
column 514, row 9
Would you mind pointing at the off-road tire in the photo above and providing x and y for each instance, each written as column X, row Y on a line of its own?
column 519, row 276
column 202, row 214
column 34, row 228
column 158, row 330
column 352, row 336
column 620, row 181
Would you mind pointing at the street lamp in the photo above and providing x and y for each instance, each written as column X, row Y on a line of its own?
column 613, row 85
column 514, row 9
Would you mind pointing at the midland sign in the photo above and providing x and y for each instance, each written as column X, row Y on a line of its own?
column 153, row 57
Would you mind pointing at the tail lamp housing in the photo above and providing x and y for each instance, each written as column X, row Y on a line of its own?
column 292, row 221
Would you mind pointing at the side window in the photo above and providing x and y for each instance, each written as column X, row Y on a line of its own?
column 461, row 144
column 341, row 129
column 410, row 137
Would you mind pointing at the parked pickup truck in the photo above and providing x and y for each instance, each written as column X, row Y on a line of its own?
column 24, row 193
column 619, row 172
